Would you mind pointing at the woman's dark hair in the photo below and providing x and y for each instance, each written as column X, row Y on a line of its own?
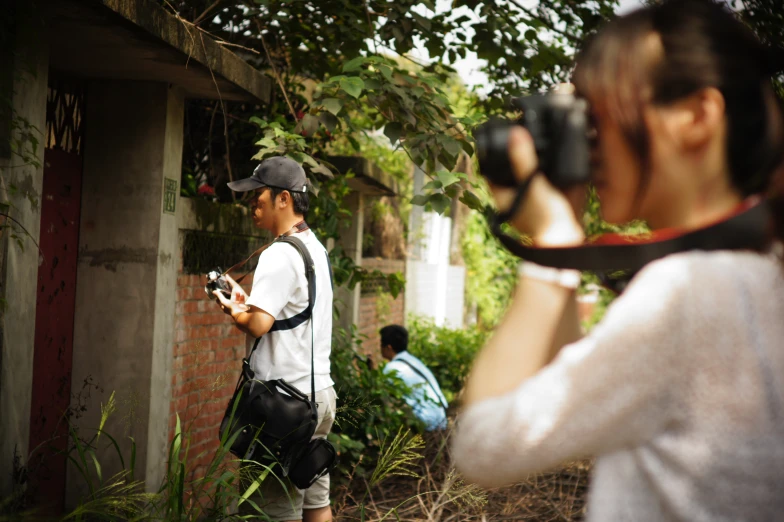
column 395, row 336
column 663, row 53
column 300, row 200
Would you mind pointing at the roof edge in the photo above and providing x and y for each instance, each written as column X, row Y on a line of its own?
column 195, row 44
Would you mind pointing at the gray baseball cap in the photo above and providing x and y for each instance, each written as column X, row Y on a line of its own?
column 277, row 172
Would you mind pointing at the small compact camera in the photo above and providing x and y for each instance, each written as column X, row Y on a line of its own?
column 216, row 281
column 560, row 127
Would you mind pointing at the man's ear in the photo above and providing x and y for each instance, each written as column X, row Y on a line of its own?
column 284, row 198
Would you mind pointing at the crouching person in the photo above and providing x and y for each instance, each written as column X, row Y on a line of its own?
column 425, row 398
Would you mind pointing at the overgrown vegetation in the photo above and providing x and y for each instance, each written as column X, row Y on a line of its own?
column 447, row 352
column 376, row 435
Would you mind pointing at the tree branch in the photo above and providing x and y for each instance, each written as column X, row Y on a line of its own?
column 274, row 69
column 206, row 12
column 545, row 22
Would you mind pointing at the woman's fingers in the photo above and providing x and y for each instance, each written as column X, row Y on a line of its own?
column 522, row 156
column 522, row 153
column 546, row 214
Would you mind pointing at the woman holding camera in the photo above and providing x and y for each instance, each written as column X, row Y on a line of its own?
column 679, row 391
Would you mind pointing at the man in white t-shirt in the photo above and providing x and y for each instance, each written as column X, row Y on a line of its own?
column 278, row 195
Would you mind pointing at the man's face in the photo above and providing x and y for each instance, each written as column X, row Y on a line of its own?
column 262, row 208
column 387, row 352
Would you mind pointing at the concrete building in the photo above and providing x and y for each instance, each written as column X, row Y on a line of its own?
column 435, row 282
column 114, row 300
column 102, row 85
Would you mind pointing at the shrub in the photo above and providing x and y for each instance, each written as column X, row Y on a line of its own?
column 370, row 407
column 448, row 352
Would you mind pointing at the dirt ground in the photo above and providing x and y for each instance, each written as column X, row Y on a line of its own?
column 438, row 494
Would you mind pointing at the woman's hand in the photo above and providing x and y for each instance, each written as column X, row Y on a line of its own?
column 546, row 214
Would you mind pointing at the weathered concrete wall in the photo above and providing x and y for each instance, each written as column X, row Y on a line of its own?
column 347, row 301
column 165, row 292
column 127, row 266
column 19, row 266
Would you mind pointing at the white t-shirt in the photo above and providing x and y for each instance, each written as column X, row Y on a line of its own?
column 280, row 288
column 678, row 392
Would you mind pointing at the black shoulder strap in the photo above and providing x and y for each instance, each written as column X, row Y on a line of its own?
column 438, row 396
column 307, row 313
column 310, row 275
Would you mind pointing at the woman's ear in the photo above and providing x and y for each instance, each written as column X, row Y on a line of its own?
column 700, row 117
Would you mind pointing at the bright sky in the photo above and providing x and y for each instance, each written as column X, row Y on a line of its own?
column 468, row 69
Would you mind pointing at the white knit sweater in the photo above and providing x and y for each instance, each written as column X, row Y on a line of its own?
column 678, row 393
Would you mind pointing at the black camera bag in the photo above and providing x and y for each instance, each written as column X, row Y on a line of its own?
column 316, row 460
column 273, row 421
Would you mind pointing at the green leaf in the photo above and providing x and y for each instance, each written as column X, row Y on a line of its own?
column 372, row 85
column 393, row 130
column 353, row 65
column 396, row 283
column 267, row 142
column 258, row 121
column 386, row 71
column 432, row 185
column 451, row 145
column 309, row 124
column 352, row 86
column 329, row 121
column 333, row 105
column 421, row 20
column 420, row 199
column 447, row 178
column 323, row 170
column 336, row 79
column 97, row 466
column 471, row 200
column 254, row 486
column 440, row 202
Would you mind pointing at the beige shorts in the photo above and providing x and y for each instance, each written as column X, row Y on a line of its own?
column 286, row 503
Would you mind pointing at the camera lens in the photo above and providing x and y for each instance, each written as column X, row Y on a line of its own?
column 492, row 139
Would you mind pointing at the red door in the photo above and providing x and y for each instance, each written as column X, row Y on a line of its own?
column 54, row 323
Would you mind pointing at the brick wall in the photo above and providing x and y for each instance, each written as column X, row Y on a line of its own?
column 207, row 354
column 378, row 309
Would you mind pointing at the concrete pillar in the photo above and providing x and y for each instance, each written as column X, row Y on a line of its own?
column 416, row 218
column 347, row 301
column 26, row 70
column 126, row 280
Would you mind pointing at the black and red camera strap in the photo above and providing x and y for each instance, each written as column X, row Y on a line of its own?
column 749, row 227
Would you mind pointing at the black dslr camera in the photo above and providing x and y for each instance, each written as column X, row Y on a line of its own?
column 561, row 130
column 216, row 281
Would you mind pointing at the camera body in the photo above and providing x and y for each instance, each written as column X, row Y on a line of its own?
column 560, row 127
column 216, row 281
